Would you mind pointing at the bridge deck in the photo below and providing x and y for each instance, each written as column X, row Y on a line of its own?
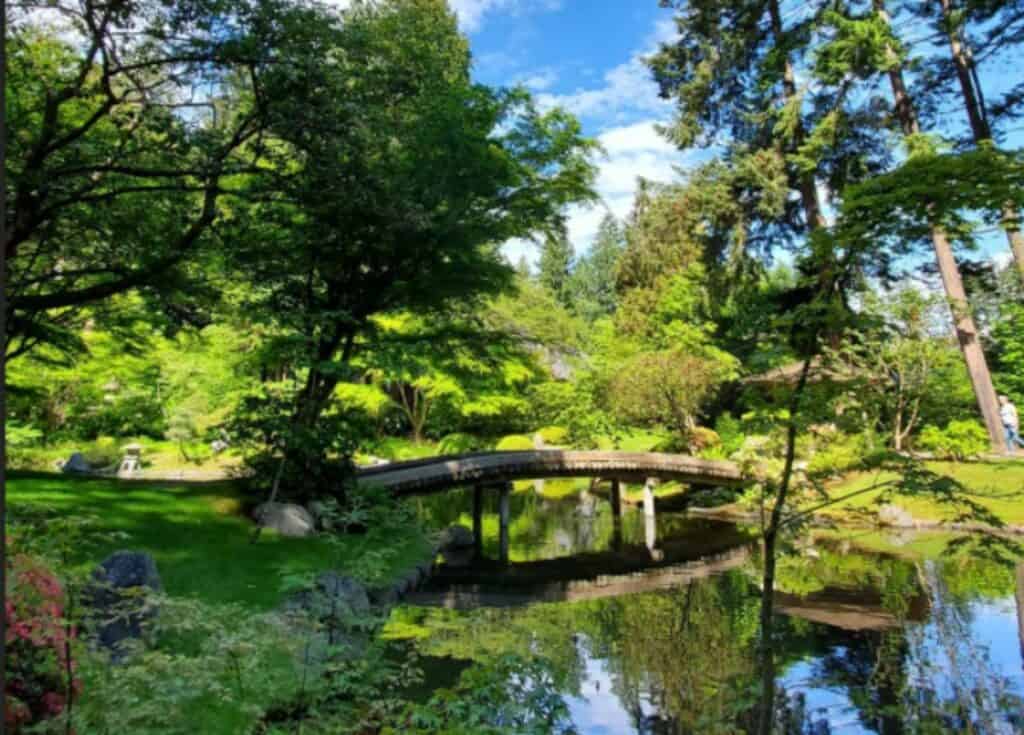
column 439, row 473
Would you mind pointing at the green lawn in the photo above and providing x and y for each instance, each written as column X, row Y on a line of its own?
column 200, row 539
column 996, row 487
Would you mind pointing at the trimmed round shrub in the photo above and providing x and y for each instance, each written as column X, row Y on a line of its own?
column 514, row 443
column 554, row 435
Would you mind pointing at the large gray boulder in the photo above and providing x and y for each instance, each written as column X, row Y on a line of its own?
column 76, row 464
column 287, row 519
column 895, row 516
column 456, row 537
column 120, row 599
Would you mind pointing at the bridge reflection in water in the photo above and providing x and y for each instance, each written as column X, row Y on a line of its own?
column 688, row 550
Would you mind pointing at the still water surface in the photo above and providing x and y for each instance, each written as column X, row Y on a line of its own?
column 651, row 625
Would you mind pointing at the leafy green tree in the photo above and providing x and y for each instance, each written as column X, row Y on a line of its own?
column 977, row 32
column 893, row 370
column 469, row 374
column 665, row 388
column 399, row 176
column 118, row 169
column 864, row 46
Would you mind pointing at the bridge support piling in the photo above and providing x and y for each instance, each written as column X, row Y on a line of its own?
column 503, row 521
column 616, row 498
column 478, row 519
column 651, row 521
column 649, row 496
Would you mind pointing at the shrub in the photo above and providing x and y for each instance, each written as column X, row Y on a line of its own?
column 702, row 438
column 837, row 456
column 458, row 443
column 37, row 664
column 514, row 443
column 554, row 435
column 589, row 426
column 959, row 440
column 19, row 436
column 549, row 400
column 730, row 434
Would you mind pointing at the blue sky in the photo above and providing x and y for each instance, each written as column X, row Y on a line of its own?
column 586, row 56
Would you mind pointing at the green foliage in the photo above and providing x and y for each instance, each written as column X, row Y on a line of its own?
column 664, row 388
column 301, row 460
column 591, row 286
column 590, row 426
column 457, row 444
column 958, row 441
column 893, row 367
column 841, row 453
column 19, row 436
column 134, row 182
column 514, row 443
column 556, row 256
column 549, row 400
column 1008, row 336
column 554, row 435
column 510, row 694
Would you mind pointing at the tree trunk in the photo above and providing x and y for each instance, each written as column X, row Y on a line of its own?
column 974, row 104
column 806, row 183
column 966, row 331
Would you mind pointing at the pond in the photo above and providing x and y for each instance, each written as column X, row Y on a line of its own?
column 651, row 625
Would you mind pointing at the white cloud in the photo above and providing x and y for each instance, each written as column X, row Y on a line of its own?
column 539, row 80
column 632, row 151
column 626, row 108
column 628, row 91
column 471, row 12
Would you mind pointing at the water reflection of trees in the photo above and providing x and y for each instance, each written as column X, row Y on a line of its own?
column 685, row 660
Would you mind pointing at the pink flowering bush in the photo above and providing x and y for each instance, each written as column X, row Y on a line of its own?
column 37, row 645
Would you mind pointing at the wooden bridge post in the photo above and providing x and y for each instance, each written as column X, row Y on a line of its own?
column 503, row 520
column 478, row 519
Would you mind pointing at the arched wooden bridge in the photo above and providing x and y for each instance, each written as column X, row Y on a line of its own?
column 492, row 468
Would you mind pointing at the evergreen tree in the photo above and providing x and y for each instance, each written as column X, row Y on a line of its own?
column 591, row 286
column 556, row 257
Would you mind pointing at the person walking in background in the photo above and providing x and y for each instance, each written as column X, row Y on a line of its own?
column 1011, row 422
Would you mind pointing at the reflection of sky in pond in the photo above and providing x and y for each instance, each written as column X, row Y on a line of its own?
column 597, row 711
column 634, row 676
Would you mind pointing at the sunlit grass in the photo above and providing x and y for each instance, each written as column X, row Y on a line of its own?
column 997, row 487
column 198, row 536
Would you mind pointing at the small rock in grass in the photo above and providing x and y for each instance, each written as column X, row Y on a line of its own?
column 894, row 515
column 287, row 519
